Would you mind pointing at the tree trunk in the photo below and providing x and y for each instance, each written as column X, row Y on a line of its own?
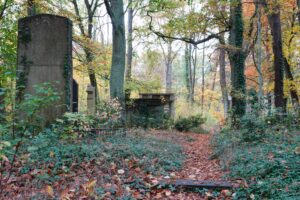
column 292, row 88
column 169, row 68
column 275, row 25
column 213, row 84
column 223, row 84
column 203, row 79
column 116, row 13
column 237, row 60
column 129, row 41
column 191, row 75
column 188, row 71
column 129, row 48
column 259, row 56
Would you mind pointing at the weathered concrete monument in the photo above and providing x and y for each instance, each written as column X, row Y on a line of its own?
column 45, row 55
column 150, row 108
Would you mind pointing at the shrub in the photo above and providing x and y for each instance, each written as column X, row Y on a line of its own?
column 252, row 128
column 187, row 124
column 108, row 114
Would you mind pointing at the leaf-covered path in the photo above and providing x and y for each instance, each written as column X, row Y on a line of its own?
column 197, row 166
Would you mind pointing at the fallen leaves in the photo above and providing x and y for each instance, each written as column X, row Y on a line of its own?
column 109, row 180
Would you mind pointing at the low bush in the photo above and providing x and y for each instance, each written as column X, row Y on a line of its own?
column 189, row 123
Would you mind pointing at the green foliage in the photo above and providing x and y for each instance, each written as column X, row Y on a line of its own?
column 50, row 150
column 263, row 153
column 157, row 121
column 143, row 85
column 30, row 122
column 74, row 124
column 108, row 114
column 189, row 123
column 273, row 167
column 252, row 129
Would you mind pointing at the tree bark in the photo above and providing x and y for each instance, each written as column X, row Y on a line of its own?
column 237, row 61
column 223, row 84
column 259, row 56
column 275, row 25
column 169, row 68
column 203, row 79
column 116, row 13
column 188, row 71
column 292, row 88
column 129, row 41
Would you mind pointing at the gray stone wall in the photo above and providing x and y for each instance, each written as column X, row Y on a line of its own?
column 45, row 55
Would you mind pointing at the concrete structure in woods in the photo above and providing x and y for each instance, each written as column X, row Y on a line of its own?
column 45, row 55
column 91, row 99
column 150, row 106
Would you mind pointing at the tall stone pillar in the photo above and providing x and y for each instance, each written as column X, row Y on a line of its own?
column 91, row 97
column 45, row 55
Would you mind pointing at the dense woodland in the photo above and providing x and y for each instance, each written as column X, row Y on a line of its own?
column 232, row 67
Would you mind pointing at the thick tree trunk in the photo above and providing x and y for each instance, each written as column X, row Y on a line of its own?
column 237, row 61
column 275, row 25
column 169, row 68
column 116, row 13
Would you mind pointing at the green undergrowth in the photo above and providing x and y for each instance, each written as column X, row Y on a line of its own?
column 262, row 155
column 191, row 123
column 53, row 150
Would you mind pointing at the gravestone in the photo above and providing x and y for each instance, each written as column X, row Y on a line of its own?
column 91, row 97
column 45, row 55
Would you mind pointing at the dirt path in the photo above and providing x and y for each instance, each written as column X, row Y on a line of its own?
column 196, row 167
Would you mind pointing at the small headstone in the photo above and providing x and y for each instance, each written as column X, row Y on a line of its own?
column 91, row 97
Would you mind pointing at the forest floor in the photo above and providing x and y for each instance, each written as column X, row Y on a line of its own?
column 197, row 166
column 114, row 167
